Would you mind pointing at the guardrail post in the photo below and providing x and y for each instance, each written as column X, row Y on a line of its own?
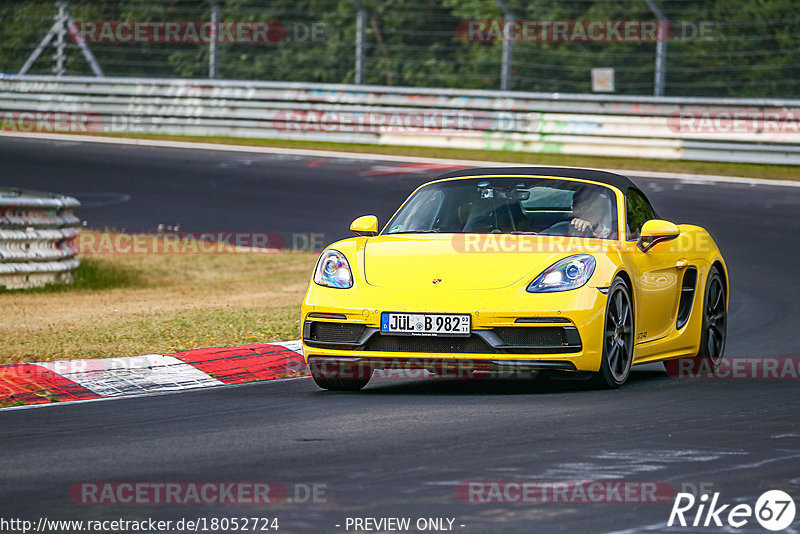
column 212, row 45
column 361, row 15
column 661, row 49
column 505, row 72
column 61, row 22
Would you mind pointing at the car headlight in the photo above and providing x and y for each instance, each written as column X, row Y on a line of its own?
column 333, row 270
column 570, row 273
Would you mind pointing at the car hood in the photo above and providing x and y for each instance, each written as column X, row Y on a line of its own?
column 460, row 261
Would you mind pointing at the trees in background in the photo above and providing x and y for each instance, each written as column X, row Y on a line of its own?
column 719, row 48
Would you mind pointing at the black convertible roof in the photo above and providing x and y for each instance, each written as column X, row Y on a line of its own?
column 617, row 180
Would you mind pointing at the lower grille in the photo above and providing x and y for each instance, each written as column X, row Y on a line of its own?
column 324, row 332
column 500, row 340
column 539, row 336
column 472, row 344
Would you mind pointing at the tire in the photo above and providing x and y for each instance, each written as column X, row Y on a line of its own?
column 715, row 328
column 715, row 320
column 332, row 382
column 618, row 337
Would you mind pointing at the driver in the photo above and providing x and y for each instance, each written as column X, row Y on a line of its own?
column 592, row 214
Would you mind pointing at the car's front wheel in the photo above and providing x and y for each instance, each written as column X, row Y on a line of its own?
column 338, row 377
column 615, row 365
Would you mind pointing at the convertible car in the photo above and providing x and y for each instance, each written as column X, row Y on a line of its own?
column 534, row 269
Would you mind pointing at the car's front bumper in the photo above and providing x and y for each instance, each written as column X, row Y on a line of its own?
column 561, row 331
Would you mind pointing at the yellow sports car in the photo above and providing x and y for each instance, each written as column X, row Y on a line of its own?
column 533, row 268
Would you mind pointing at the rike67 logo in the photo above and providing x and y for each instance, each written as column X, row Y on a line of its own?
column 774, row 510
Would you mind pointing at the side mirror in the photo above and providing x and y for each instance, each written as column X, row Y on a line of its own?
column 655, row 231
column 366, row 225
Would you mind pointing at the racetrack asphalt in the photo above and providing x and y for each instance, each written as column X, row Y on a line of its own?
column 401, row 448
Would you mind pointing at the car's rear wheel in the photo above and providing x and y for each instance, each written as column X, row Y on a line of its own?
column 618, row 333
column 337, row 377
column 715, row 329
column 715, row 320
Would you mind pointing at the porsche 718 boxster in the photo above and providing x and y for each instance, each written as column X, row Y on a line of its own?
column 567, row 271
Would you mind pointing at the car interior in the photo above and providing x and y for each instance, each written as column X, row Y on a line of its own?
column 484, row 207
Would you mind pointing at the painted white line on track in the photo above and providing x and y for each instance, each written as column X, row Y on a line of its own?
column 380, row 157
column 112, row 377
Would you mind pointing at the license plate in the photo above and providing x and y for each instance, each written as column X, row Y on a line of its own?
column 425, row 324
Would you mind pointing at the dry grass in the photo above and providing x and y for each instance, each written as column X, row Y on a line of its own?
column 131, row 304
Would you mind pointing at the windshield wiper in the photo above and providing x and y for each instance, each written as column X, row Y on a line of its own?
column 431, row 231
column 520, row 232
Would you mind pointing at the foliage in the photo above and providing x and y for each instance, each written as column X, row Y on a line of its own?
column 720, row 47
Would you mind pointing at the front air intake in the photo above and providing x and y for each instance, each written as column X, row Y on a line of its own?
column 326, row 332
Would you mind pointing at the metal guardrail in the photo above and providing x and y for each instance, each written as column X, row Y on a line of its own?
column 735, row 130
column 38, row 238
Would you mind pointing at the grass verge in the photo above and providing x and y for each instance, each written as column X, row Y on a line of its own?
column 131, row 304
column 750, row 170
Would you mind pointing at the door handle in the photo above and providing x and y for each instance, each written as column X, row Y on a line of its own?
column 681, row 263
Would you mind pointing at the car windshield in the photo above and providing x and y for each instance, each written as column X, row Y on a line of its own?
column 510, row 206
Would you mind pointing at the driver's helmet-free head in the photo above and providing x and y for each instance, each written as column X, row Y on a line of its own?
column 592, row 206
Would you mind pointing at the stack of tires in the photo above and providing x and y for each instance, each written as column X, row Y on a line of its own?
column 38, row 238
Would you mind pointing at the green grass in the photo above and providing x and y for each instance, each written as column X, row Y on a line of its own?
column 750, row 170
column 90, row 275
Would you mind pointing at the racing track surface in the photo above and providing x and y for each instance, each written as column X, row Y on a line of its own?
column 400, row 449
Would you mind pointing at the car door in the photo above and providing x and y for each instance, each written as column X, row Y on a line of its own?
column 656, row 275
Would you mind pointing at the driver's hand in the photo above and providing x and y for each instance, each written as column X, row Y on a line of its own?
column 581, row 225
